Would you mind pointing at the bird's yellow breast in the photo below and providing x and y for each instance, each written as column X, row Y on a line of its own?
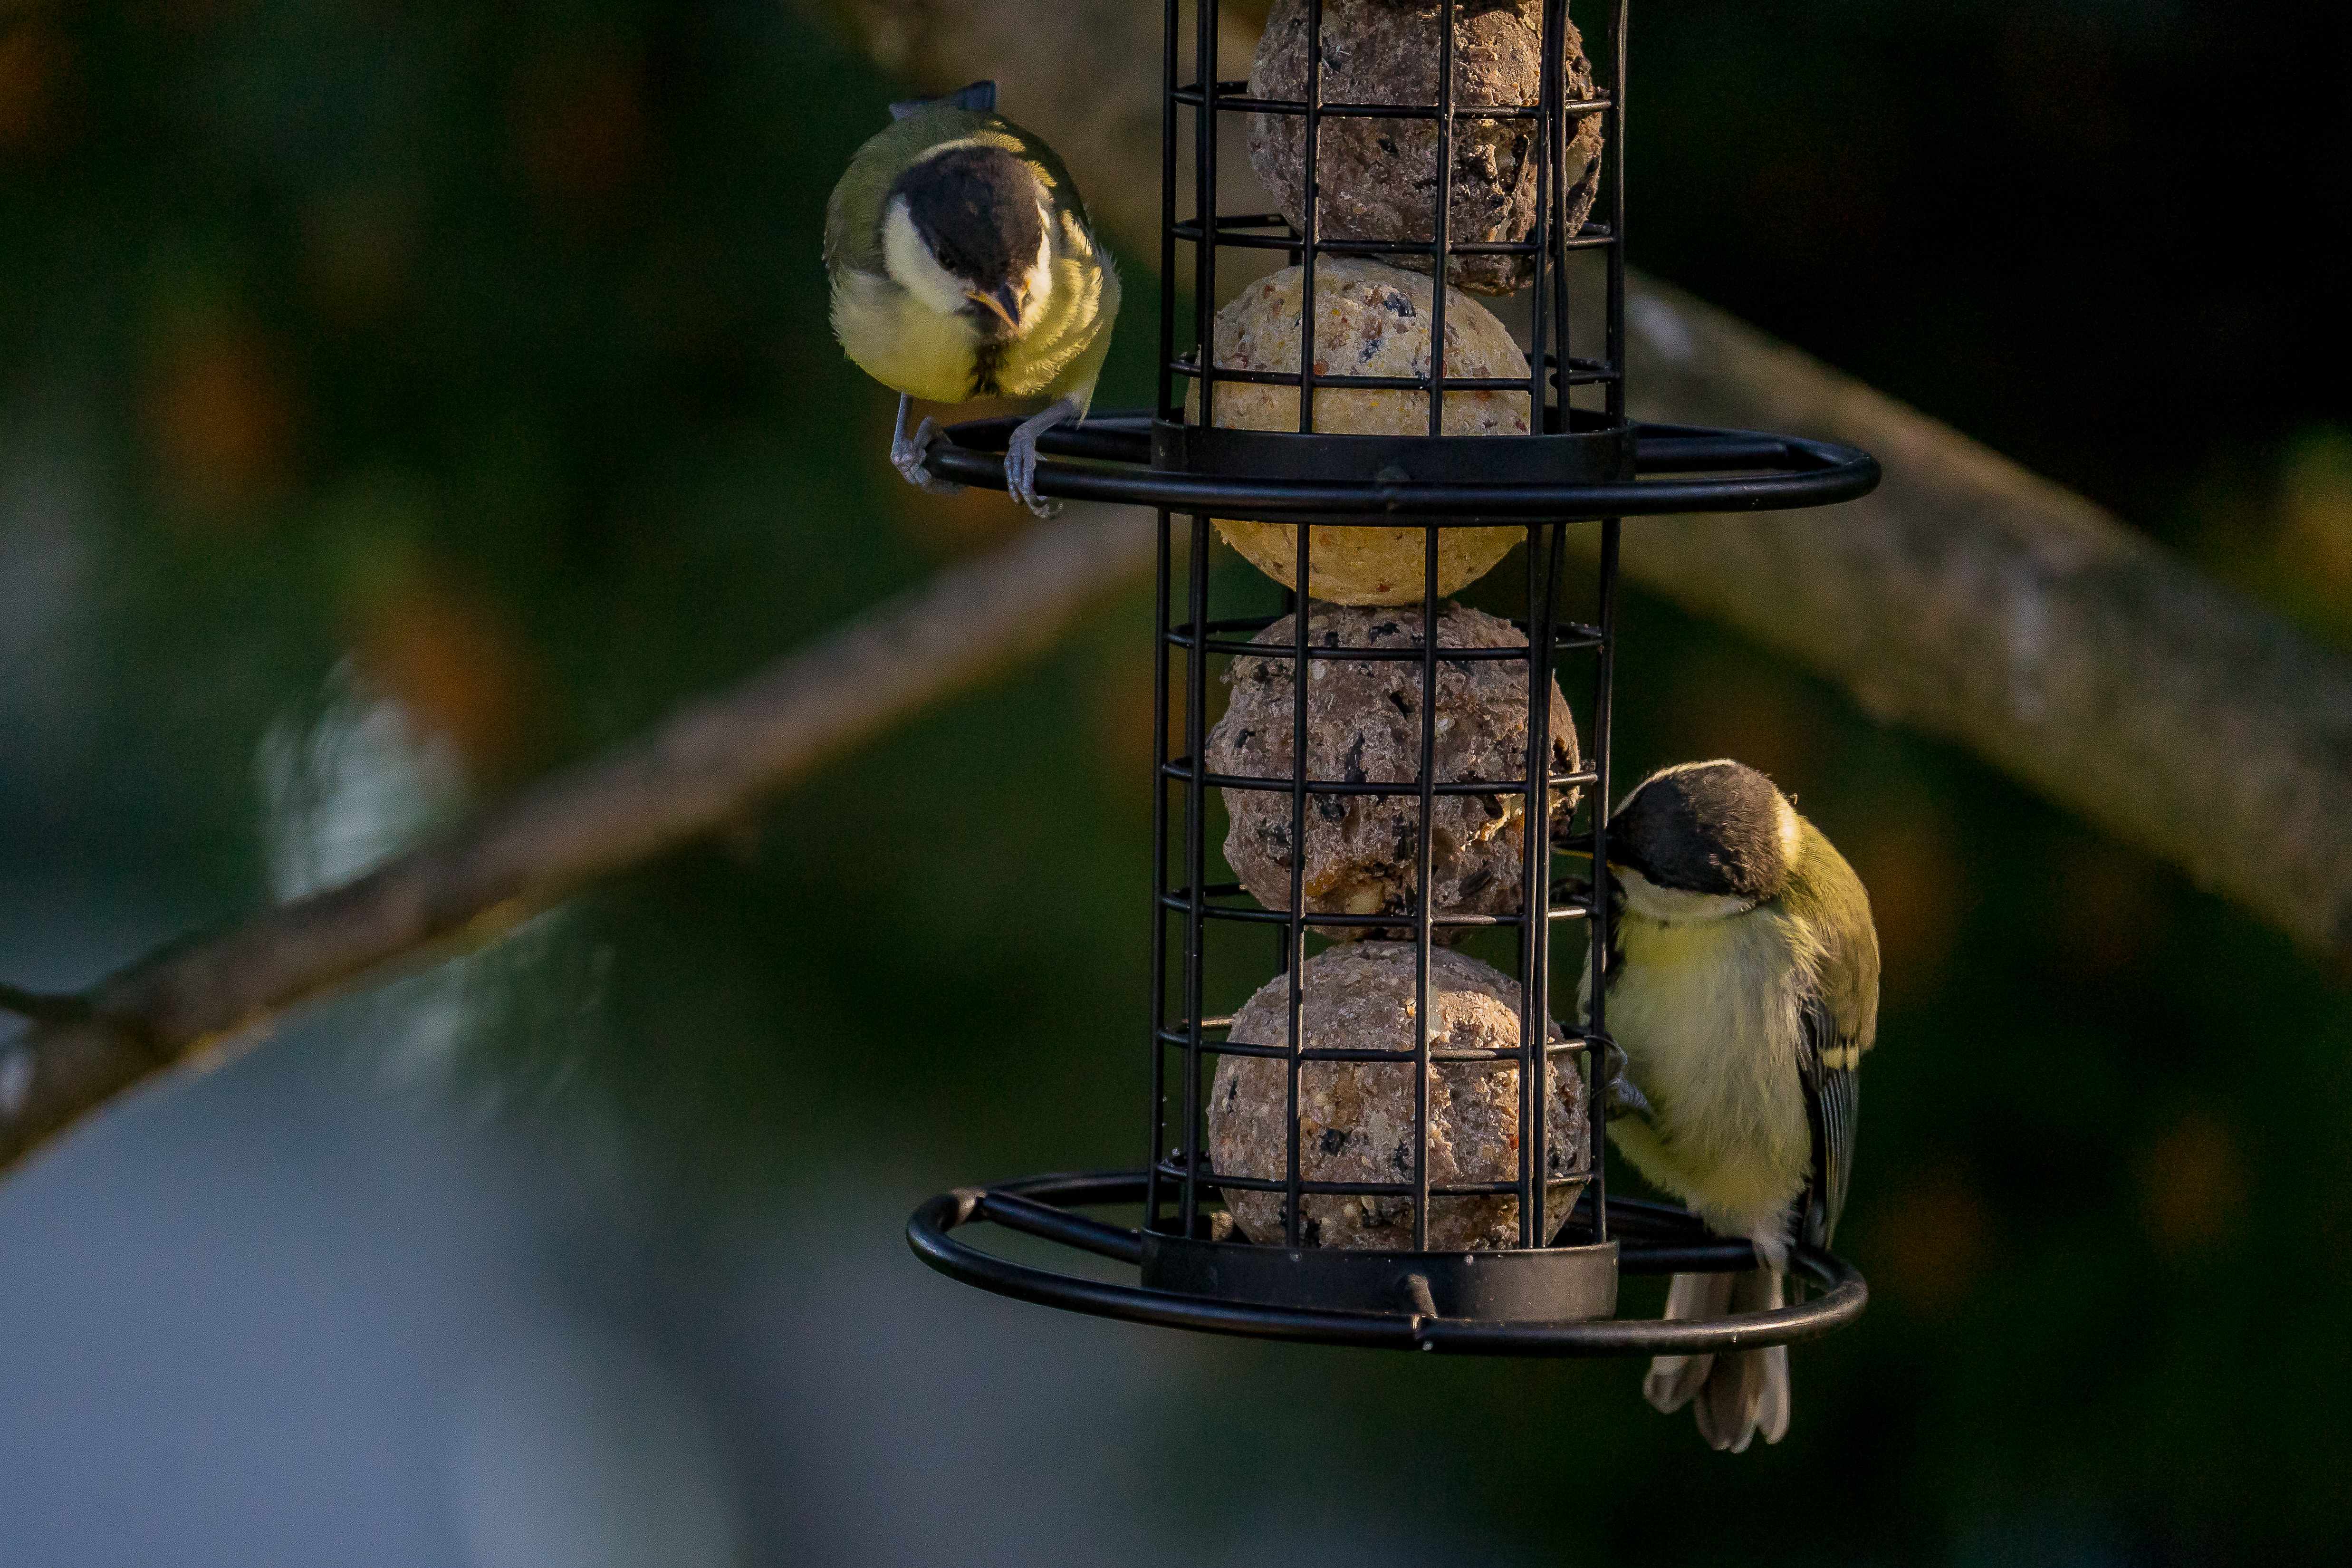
column 902, row 344
column 1708, row 1013
column 909, row 347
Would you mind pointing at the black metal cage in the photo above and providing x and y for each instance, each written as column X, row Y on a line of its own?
column 1570, row 444
column 1582, row 463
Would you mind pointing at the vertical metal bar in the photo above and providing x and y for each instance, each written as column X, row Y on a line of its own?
column 1597, row 1021
column 1425, row 902
column 1534, row 912
column 1297, row 929
column 1314, row 235
column 1293, row 604
column 1444, row 230
column 1172, row 401
column 1204, row 284
column 1556, row 136
column 1543, row 644
column 1196, row 871
column 1152, row 1195
column 1545, row 231
column 1615, row 154
column 1204, row 206
column 1533, row 927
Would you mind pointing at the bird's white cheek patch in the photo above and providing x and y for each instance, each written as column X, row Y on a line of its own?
column 1671, row 906
column 913, row 267
column 1792, row 832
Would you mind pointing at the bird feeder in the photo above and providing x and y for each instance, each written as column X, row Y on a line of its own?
column 1376, row 1106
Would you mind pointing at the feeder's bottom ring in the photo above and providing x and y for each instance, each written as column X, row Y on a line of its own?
column 1653, row 1239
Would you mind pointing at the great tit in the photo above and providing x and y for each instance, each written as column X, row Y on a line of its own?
column 1743, row 991
column 963, row 266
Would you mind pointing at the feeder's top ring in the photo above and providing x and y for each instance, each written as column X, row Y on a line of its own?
column 1652, row 1239
column 1675, row 468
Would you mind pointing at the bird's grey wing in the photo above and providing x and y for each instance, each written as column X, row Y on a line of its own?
column 1832, row 1104
column 978, row 97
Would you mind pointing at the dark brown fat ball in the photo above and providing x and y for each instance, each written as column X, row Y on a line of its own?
column 1378, row 177
column 1363, row 725
column 1356, row 1119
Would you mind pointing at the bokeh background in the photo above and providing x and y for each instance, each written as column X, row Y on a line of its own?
column 397, row 398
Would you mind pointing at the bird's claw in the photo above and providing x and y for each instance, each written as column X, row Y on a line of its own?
column 1020, row 455
column 1020, row 475
column 1620, row 1096
column 908, row 452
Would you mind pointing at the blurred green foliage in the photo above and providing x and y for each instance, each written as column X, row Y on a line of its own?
column 485, row 349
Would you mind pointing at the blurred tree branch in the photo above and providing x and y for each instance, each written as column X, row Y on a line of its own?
column 1976, row 601
column 1966, row 596
column 40, row 1005
column 697, row 770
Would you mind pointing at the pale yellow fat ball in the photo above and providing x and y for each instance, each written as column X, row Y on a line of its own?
column 1369, row 321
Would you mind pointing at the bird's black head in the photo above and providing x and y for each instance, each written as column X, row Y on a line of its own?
column 975, row 209
column 1718, row 834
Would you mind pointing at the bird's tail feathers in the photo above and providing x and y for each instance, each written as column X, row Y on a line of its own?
column 979, row 96
column 1675, row 1378
column 1733, row 1396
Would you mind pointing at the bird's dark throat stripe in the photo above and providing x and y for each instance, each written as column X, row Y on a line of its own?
column 985, row 359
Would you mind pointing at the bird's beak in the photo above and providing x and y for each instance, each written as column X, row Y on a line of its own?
column 1003, row 303
column 1585, row 854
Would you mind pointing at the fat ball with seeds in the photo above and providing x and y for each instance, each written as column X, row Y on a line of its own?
column 1364, row 727
column 1356, row 1119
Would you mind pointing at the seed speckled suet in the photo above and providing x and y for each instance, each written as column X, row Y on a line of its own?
column 1375, row 175
column 1356, row 1119
column 963, row 264
column 1363, row 725
column 1743, row 990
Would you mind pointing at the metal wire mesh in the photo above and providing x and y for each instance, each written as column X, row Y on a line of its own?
column 1195, row 97
column 1195, row 631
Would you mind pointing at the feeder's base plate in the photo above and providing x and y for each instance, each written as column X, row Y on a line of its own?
column 1212, row 1286
column 1550, row 1284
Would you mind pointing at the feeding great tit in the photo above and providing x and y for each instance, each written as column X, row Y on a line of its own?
column 1743, row 991
column 963, row 266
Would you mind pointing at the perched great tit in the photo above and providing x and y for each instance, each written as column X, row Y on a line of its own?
column 1743, row 991
column 963, row 266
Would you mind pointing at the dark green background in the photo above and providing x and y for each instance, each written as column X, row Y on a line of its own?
column 478, row 353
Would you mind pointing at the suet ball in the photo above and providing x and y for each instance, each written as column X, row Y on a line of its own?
column 1363, row 724
column 1356, row 1119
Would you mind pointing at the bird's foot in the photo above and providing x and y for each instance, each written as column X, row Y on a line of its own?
column 908, row 452
column 1620, row 1096
column 1021, row 458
